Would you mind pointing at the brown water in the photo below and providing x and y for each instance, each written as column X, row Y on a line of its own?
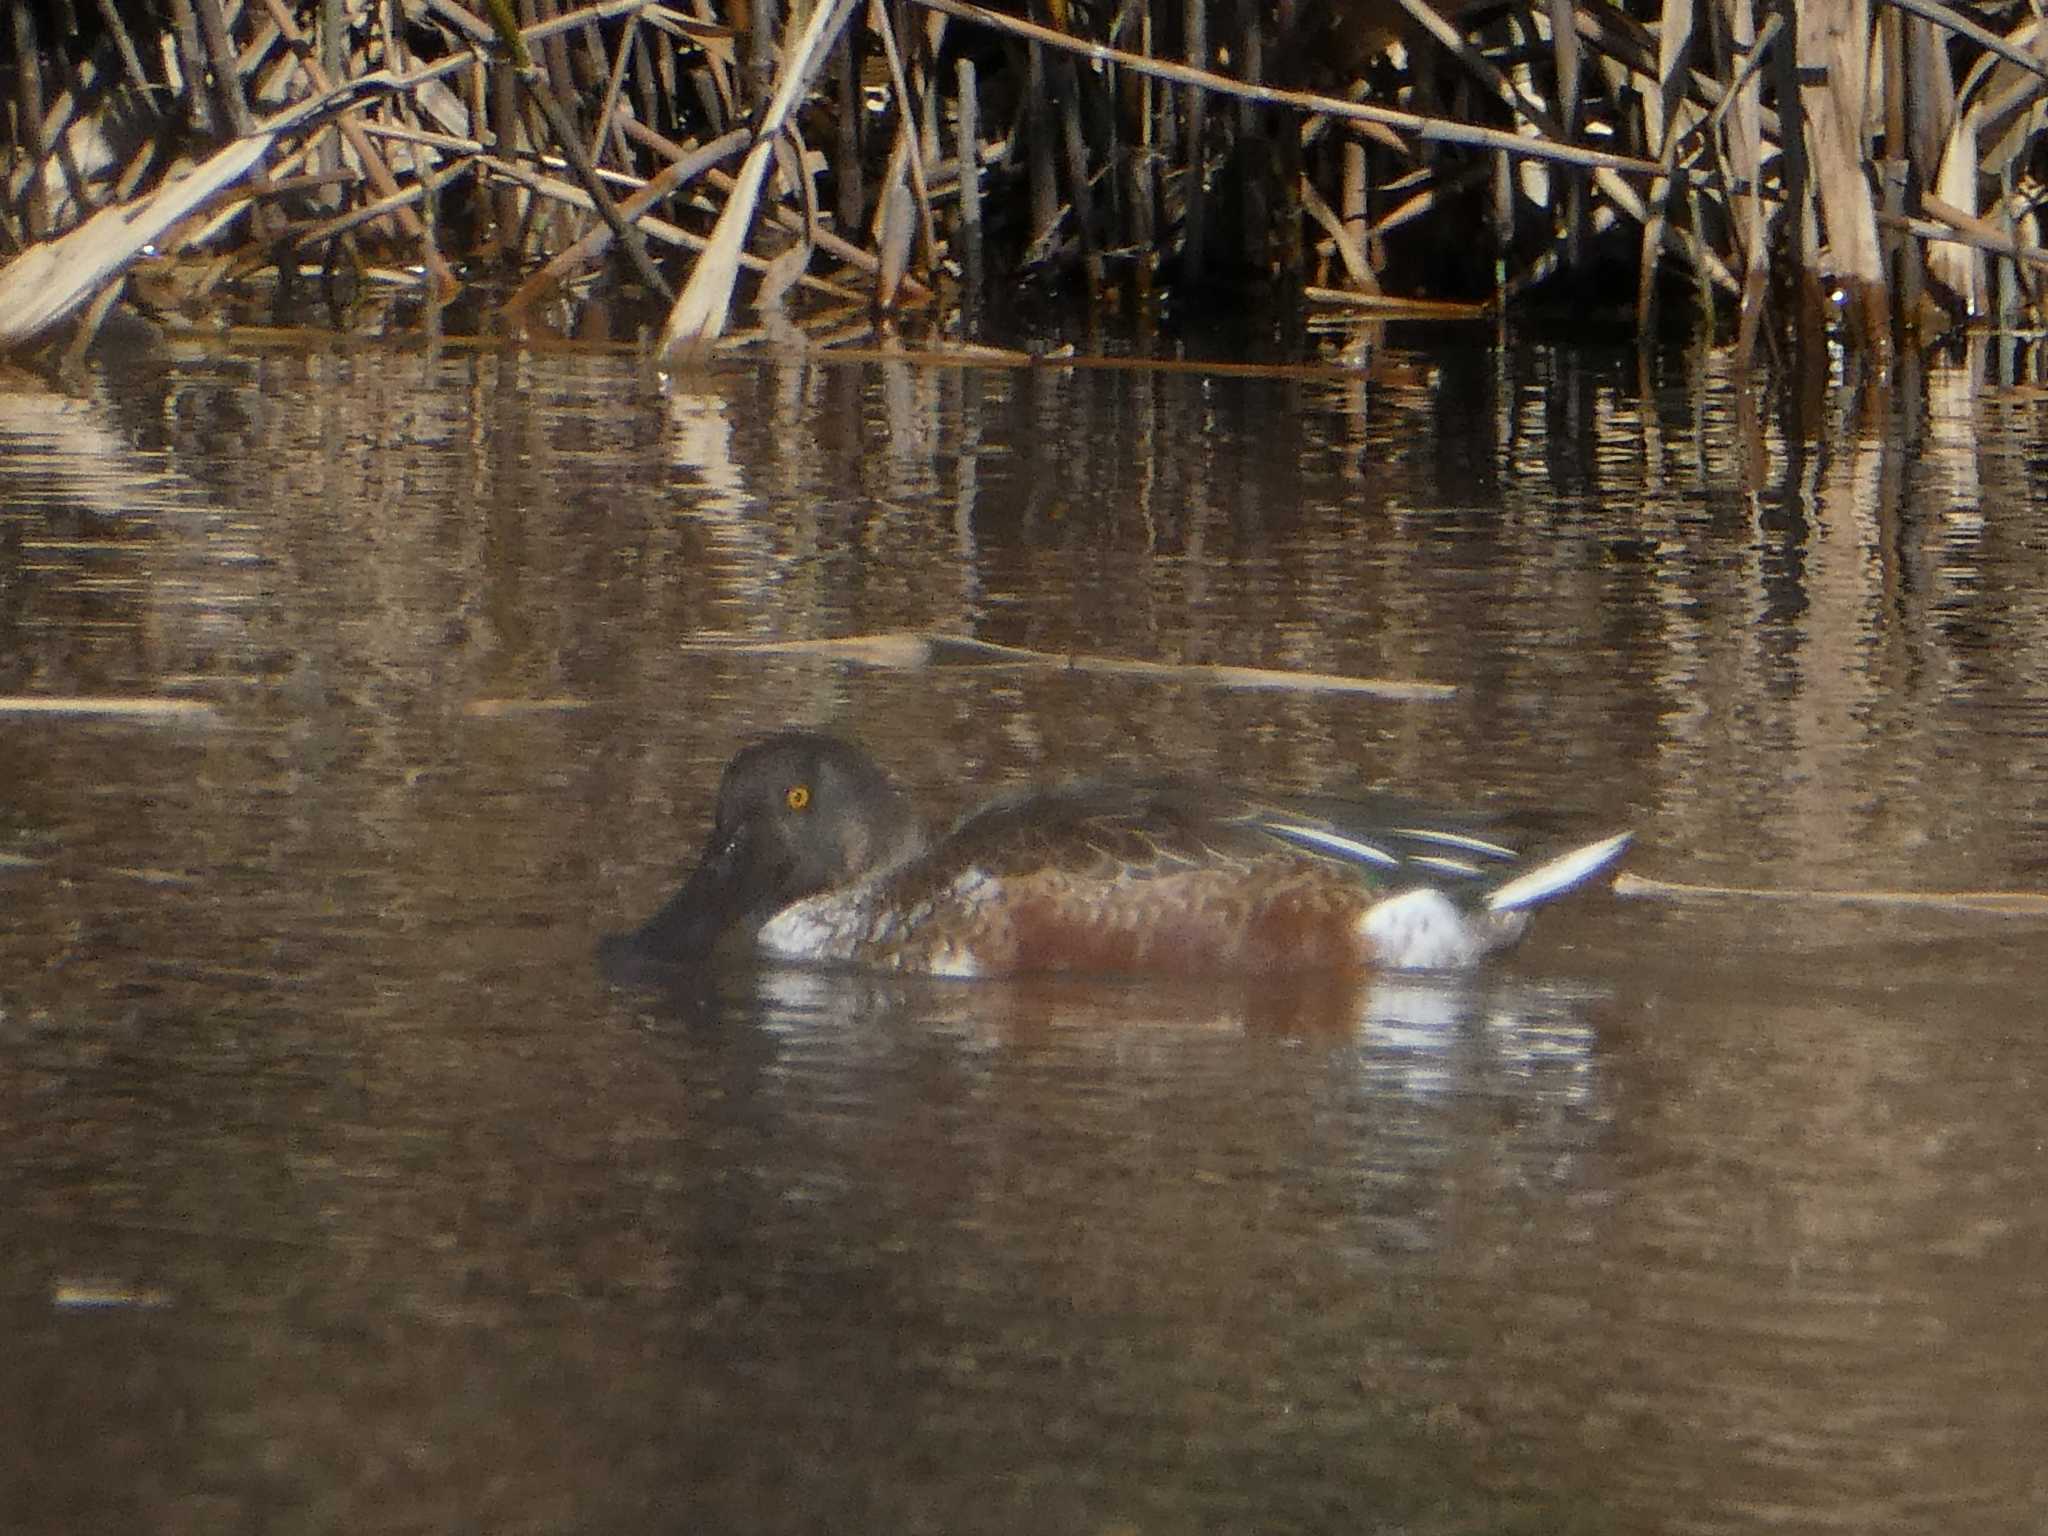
column 343, row 1192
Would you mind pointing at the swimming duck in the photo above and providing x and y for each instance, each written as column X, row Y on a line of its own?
column 816, row 856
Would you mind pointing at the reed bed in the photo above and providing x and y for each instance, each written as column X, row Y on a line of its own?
column 1778, row 172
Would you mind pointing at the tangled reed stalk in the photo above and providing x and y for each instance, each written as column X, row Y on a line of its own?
column 1780, row 170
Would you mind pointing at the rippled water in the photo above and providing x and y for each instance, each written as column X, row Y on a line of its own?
column 346, row 1192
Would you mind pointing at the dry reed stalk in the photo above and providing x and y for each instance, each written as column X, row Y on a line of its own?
column 445, row 285
column 701, row 313
column 51, row 280
column 1960, row 24
column 1435, row 130
column 86, row 707
column 1954, row 226
column 2011, row 903
column 1834, row 38
column 222, row 68
column 1801, row 226
column 925, row 78
column 1195, row 173
column 1742, row 110
column 534, row 80
column 1356, row 211
column 1040, row 178
column 124, row 45
column 1661, row 137
column 28, row 65
column 88, row 327
column 1395, row 307
column 422, row 188
column 575, row 197
column 1564, row 42
column 1140, row 163
column 836, row 246
column 1986, row 136
column 1074, row 151
column 1930, row 102
column 970, row 160
column 605, row 125
column 1343, row 240
column 512, row 709
column 686, row 165
column 191, row 66
column 847, row 169
column 926, row 648
column 566, row 263
column 1580, row 83
column 893, row 227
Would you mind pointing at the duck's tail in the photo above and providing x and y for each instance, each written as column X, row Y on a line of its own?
column 1555, row 876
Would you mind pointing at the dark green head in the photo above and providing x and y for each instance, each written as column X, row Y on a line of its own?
column 798, row 813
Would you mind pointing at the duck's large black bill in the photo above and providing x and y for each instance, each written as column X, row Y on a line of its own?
column 725, row 890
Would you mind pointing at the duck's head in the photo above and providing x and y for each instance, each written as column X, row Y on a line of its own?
column 797, row 813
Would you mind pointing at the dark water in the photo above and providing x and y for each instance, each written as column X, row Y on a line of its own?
column 344, row 1193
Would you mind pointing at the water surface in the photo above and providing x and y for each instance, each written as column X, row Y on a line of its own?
column 346, row 1192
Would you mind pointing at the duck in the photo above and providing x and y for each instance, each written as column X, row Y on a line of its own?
column 816, row 856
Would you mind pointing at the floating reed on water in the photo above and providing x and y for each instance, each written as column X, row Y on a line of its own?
column 1782, row 169
column 2012, row 903
column 83, row 707
column 914, row 649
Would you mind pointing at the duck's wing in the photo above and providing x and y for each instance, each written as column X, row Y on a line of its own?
column 1109, row 830
column 1408, row 845
column 1116, row 830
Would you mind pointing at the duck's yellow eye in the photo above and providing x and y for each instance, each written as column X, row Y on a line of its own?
column 797, row 797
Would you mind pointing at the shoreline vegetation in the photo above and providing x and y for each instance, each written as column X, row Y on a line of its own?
column 1782, row 174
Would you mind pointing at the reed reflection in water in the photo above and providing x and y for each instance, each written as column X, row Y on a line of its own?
column 391, row 1211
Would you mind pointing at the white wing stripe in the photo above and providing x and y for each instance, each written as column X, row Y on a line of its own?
column 1455, row 840
column 1557, row 875
column 1332, row 842
column 1449, row 866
